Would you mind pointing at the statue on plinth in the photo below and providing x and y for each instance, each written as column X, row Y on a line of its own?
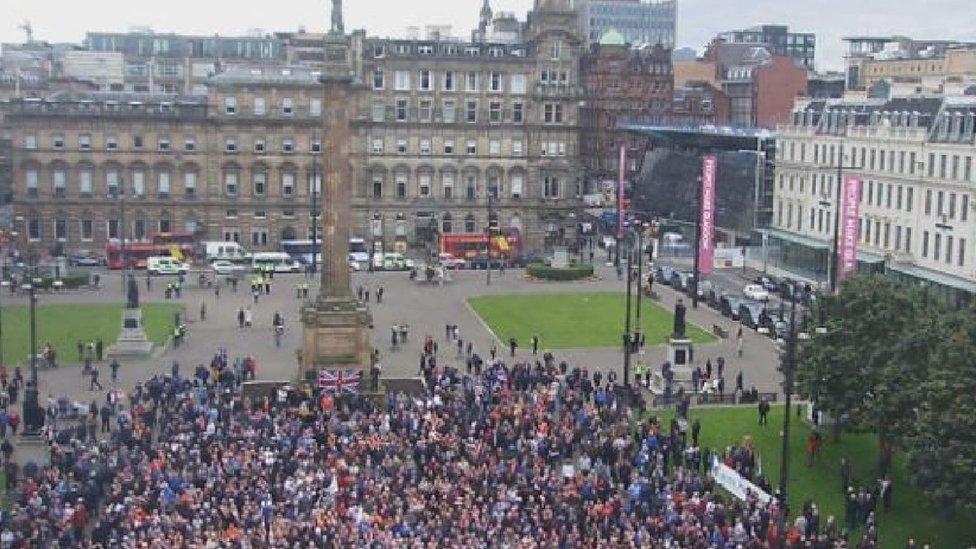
column 132, row 293
column 679, row 319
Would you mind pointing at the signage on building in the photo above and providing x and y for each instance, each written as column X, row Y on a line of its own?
column 850, row 210
column 706, row 242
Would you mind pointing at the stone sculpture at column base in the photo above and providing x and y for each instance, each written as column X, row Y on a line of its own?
column 132, row 341
column 337, row 335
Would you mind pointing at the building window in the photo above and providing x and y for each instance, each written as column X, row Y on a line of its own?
column 30, row 142
column 423, row 185
column 472, row 147
column 378, row 78
column 471, row 82
column 425, row 83
column 425, row 146
column 288, row 146
column 33, row 229
column 401, row 185
column 86, row 230
column 287, row 106
column 925, row 244
column 401, row 146
column 60, row 182
column 551, row 186
column 231, row 184
column 928, row 201
column 189, row 144
column 495, row 112
column 449, row 146
column 556, row 50
column 190, row 184
column 401, row 80
column 260, row 184
column 111, row 143
column 449, row 108
column 163, row 184
column 112, row 229
column 314, row 108
column 259, row 145
column 377, row 186
column 553, row 113
column 230, row 145
column 518, row 84
column 401, row 109
column 57, row 142
column 948, row 254
column 471, row 186
column 469, row 226
column 494, row 147
column 288, row 185
column 496, row 82
column 516, row 183
column 60, row 230
column 446, row 224
column 316, row 146
column 377, row 145
column 30, row 182
column 230, row 105
column 84, row 142
column 85, row 182
column 961, row 256
column 937, row 249
column 517, row 147
column 425, row 110
column 471, row 111
column 449, row 81
column 447, row 182
column 964, row 209
column 518, row 112
column 260, row 106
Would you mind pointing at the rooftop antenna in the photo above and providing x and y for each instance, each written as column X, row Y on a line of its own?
column 29, row 30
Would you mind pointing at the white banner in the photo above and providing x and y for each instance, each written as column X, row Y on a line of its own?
column 735, row 483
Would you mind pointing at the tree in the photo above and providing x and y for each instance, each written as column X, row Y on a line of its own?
column 941, row 445
column 868, row 362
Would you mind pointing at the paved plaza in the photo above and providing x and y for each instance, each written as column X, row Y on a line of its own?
column 426, row 309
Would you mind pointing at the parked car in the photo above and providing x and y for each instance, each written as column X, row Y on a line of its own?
column 480, row 261
column 751, row 314
column 704, row 287
column 392, row 261
column 768, row 283
column 228, row 268
column 728, row 305
column 84, row 258
column 681, row 280
column 756, row 292
column 450, row 261
column 663, row 275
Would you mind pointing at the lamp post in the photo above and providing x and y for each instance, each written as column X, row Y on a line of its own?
column 120, row 196
column 489, row 230
column 789, row 368
column 32, row 418
column 640, row 276
column 627, row 327
column 835, row 249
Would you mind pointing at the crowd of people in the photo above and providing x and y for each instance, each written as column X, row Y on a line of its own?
column 492, row 454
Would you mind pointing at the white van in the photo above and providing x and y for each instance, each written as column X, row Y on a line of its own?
column 220, row 250
column 278, row 262
column 164, row 265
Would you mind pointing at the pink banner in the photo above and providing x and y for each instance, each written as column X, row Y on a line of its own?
column 621, row 191
column 850, row 225
column 706, row 242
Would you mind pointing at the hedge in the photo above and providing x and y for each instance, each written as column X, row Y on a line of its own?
column 70, row 282
column 573, row 272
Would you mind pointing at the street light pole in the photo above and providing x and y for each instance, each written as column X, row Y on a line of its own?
column 120, row 194
column 698, row 224
column 789, row 367
column 31, row 416
column 488, row 241
column 627, row 339
column 640, row 276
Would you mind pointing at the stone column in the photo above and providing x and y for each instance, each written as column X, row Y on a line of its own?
column 337, row 189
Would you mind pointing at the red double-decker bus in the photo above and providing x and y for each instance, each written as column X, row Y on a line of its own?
column 507, row 244
column 180, row 245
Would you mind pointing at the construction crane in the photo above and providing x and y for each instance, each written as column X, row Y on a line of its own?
column 29, row 30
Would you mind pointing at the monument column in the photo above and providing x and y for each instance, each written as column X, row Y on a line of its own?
column 337, row 328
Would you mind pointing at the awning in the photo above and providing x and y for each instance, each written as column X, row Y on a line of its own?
column 935, row 277
column 797, row 239
column 868, row 257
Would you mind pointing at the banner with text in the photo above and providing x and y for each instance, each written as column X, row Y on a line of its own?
column 736, row 484
column 706, row 241
column 850, row 226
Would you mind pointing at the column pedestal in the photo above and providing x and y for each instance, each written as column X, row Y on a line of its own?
column 132, row 341
column 336, row 336
column 681, row 356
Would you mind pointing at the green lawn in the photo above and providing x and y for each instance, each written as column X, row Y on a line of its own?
column 63, row 325
column 910, row 515
column 574, row 320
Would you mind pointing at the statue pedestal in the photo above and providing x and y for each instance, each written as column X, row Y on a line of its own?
column 336, row 336
column 681, row 355
column 132, row 341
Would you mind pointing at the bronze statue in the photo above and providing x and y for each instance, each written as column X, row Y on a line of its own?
column 132, row 294
column 679, row 319
column 337, row 26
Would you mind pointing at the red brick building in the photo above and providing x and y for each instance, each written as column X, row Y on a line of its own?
column 776, row 84
column 620, row 82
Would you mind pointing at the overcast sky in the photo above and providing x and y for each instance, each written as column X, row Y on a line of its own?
column 698, row 20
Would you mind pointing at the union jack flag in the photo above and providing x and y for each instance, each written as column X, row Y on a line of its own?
column 339, row 381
